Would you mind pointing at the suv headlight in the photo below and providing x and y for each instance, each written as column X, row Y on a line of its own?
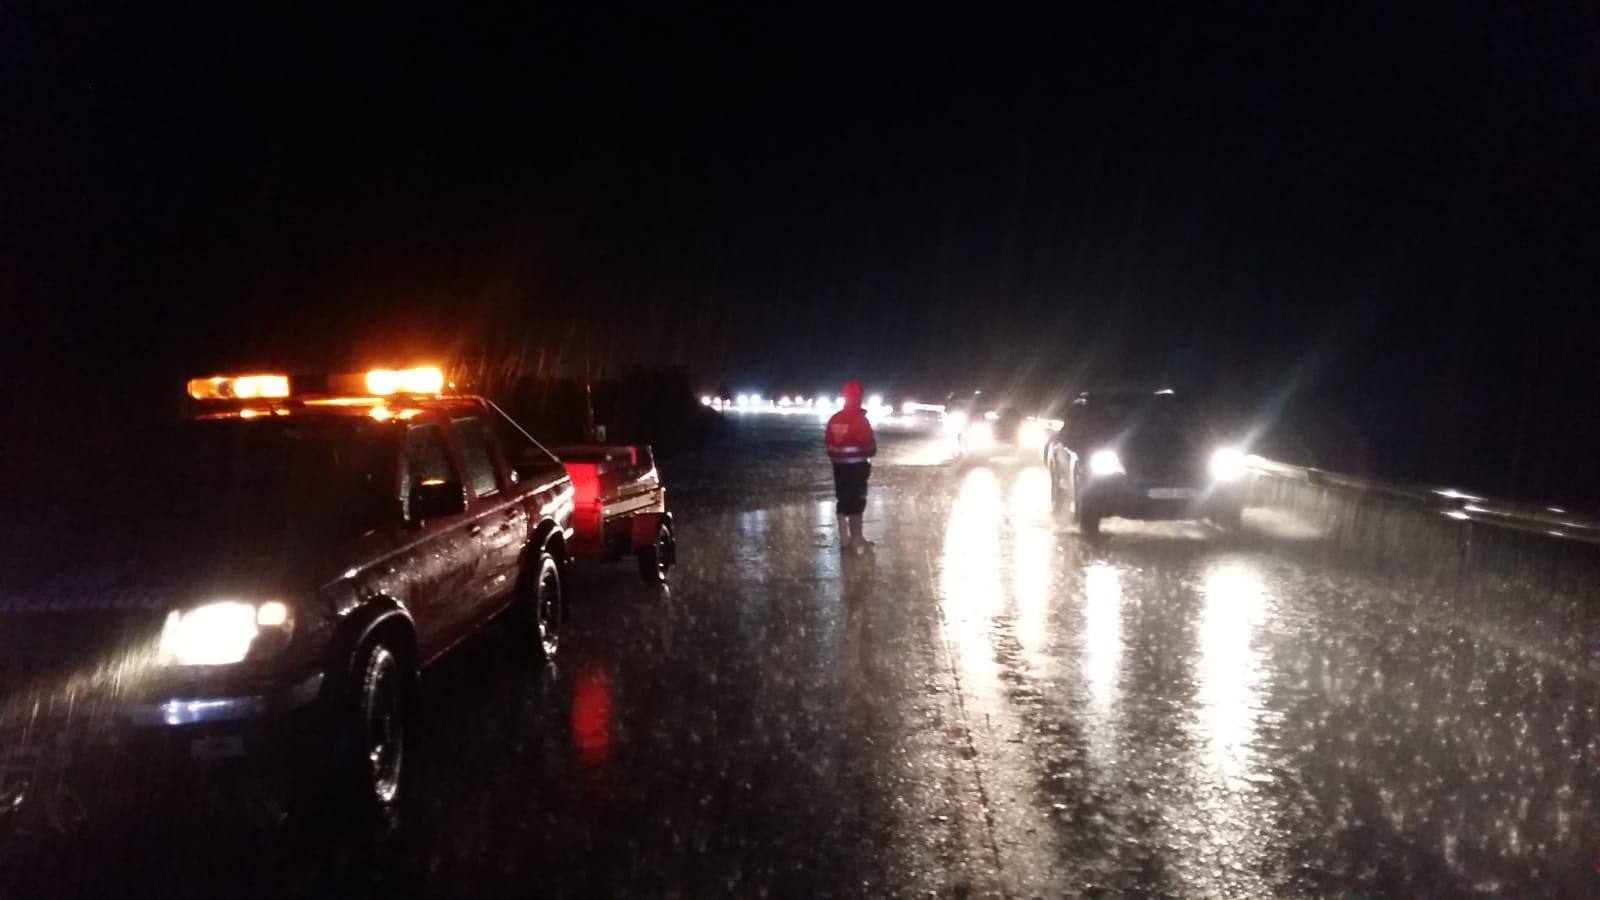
column 222, row 633
column 1227, row 464
column 1105, row 462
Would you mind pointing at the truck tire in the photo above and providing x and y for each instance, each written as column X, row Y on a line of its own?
column 375, row 713
column 544, row 607
column 657, row 558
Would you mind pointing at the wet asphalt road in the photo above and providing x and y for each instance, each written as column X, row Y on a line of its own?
column 987, row 705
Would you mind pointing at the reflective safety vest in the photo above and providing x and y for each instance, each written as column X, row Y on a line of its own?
column 850, row 438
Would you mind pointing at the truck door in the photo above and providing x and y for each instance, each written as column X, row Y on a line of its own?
column 499, row 522
column 441, row 561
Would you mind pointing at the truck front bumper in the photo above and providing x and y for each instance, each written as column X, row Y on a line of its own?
column 140, row 754
column 178, row 711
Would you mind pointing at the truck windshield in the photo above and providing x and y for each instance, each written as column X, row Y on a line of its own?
column 303, row 476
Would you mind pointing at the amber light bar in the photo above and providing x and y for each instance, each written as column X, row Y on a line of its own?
column 239, row 387
column 421, row 380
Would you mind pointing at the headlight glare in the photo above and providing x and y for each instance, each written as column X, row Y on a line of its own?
column 1227, row 464
column 220, row 633
column 980, row 435
column 1105, row 462
column 1031, row 433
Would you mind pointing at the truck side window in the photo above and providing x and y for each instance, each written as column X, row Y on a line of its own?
column 475, row 452
column 427, row 458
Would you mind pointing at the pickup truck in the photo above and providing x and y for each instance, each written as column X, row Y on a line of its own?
column 261, row 583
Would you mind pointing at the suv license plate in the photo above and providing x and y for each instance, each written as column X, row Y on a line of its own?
column 1173, row 493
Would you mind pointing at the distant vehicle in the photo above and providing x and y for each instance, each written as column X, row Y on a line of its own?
column 984, row 428
column 1142, row 456
column 620, row 507
column 281, row 566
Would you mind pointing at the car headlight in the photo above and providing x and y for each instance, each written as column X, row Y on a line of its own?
column 1105, row 462
column 955, row 423
column 222, row 633
column 1031, row 434
column 1227, row 464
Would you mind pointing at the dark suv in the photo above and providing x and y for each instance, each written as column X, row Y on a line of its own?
column 261, row 583
column 1142, row 455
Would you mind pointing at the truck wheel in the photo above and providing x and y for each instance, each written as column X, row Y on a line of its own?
column 657, row 558
column 545, row 607
column 378, row 704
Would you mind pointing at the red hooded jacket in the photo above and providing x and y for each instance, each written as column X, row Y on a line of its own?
column 850, row 438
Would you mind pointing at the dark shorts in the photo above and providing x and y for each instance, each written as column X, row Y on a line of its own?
column 850, row 487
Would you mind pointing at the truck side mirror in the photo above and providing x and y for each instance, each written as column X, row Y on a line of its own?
column 432, row 499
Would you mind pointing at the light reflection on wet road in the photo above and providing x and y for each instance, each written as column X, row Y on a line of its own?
column 987, row 706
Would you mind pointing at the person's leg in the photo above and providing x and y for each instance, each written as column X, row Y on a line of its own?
column 858, row 535
column 842, row 500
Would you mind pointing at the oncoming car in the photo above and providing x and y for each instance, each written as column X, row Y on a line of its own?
column 983, row 430
column 267, row 579
column 1142, row 456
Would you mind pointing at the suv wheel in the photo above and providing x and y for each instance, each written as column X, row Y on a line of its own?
column 1228, row 518
column 1085, row 512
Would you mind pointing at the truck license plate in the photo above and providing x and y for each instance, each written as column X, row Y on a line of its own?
column 1173, row 493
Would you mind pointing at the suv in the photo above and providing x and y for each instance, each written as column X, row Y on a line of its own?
column 264, row 580
column 1142, row 456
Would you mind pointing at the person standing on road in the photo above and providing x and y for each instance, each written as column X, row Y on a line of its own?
column 851, row 444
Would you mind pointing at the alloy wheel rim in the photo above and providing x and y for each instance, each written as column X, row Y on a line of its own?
column 548, row 612
column 385, row 725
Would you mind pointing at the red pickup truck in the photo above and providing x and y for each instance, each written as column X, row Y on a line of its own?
column 265, row 579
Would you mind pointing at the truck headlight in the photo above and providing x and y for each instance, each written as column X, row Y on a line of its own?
column 1227, row 464
column 980, row 435
column 1105, row 462
column 955, row 423
column 222, row 633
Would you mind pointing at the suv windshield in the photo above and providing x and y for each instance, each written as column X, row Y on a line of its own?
column 1141, row 410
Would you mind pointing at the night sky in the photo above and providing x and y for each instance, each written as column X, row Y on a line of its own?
column 1373, row 226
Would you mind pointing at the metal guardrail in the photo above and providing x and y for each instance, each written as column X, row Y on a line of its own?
column 1551, row 522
